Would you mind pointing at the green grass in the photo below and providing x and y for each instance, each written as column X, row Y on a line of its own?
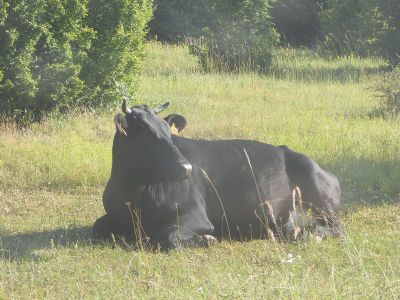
column 52, row 176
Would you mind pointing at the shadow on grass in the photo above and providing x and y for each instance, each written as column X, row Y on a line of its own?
column 23, row 245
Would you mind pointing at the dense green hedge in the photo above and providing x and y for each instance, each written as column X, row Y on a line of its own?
column 62, row 53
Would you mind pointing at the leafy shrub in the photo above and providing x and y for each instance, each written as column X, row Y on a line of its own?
column 62, row 53
column 388, row 88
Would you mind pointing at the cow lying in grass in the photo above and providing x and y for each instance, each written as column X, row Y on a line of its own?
column 180, row 192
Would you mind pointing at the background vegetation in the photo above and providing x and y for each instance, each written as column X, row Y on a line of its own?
column 60, row 54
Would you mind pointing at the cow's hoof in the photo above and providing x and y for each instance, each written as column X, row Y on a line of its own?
column 210, row 239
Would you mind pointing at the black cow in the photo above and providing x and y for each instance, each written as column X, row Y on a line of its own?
column 181, row 192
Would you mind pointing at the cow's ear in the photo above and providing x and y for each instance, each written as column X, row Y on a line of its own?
column 120, row 123
column 177, row 120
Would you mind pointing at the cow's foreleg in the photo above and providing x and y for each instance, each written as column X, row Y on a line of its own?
column 119, row 217
column 106, row 226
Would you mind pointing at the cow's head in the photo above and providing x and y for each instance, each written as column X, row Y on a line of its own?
column 143, row 149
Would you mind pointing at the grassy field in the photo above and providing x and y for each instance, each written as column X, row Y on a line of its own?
column 52, row 176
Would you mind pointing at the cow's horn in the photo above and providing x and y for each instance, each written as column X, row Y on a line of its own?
column 125, row 110
column 159, row 108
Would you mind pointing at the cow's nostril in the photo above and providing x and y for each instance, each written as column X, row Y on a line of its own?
column 185, row 169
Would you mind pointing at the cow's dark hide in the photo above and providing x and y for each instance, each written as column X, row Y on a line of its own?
column 178, row 191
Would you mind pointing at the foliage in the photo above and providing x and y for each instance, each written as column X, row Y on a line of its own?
column 40, row 54
column 388, row 88
column 365, row 27
column 361, row 27
column 62, row 53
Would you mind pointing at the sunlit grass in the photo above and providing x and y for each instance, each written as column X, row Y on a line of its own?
column 52, row 176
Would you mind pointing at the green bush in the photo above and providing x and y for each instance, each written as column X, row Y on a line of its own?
column 62, row 53
column 388, row 88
